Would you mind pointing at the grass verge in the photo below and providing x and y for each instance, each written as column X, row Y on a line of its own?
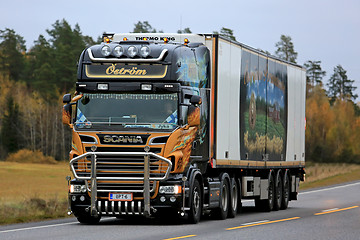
column 32, row 192
column 326, row 174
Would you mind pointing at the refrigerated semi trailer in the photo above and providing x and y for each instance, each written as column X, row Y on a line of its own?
column 184, row 124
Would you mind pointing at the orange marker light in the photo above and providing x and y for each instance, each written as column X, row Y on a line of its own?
column 125, row 39
column 145, row 39
column 166, row 40
column 106, row 40
column 186, row 41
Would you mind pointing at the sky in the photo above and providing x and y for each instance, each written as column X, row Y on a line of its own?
column 321, row 30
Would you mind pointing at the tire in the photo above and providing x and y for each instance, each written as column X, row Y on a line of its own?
column 278, row 191
column 234, row 198
column 286, row 192
column 268, row 204
column 196, row 203
column 87, row 219
column 222, row 212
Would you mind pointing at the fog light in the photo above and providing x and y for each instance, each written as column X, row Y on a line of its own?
column 82, row 198
column 103, row 86
column 163, row 199
column 83, row 188
column 73, row 198
column 172, row 199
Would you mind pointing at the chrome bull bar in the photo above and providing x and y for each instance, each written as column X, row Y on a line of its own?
column 146, row 178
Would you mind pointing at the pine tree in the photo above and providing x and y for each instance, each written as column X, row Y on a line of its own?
column 10, row 123
column 226, row 32
column 12, row 51
column 314, row 73
column 143, row 27
column 340, row 86
column 185, row 30
column 285, row 49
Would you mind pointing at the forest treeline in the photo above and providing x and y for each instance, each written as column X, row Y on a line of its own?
column 33, row 81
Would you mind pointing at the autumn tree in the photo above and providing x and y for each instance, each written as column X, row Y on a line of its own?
column 12, row 51
column 340, row 86
column 285, row 49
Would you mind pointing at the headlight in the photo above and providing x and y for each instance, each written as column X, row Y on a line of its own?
column 144, row 51
column 132, row 51
column 105, row 50
column 176, row 189
column 77, row 188
column 118, row 51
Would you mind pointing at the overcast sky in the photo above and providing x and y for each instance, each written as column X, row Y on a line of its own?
column 325, row 30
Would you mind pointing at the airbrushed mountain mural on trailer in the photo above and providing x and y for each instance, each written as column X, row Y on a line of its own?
column 263, row 102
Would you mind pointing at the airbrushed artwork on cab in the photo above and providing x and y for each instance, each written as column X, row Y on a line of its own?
column 193, row 70
column 179, row 147
column 263, row 108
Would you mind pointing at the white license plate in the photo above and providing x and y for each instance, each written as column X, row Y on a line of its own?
column 120, row 196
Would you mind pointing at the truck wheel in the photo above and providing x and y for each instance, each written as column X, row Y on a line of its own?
column 286, row 192
column 222, row 212
column 87, row 219
column 268, row 204
column 278, row 191
column 196, row 203
column 234, row 198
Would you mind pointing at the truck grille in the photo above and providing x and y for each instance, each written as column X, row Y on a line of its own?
column 120, row 171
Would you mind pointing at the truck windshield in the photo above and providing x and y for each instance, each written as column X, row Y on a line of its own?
column 127, row 111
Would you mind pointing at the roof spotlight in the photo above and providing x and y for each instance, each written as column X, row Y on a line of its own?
column 144, row 51
column 132, row 51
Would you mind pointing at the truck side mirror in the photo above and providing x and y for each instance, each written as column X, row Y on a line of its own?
column 66, row 114
column 193, row 116
column 67, row 98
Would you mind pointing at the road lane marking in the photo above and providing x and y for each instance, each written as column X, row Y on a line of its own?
column 263, row 223
column 251, row 223
column 331, row 188
column 187, row 236
column 335, row 210
column 328, row 210
column 30, row 228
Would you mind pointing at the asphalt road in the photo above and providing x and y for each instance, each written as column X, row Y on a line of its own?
column 328, row 213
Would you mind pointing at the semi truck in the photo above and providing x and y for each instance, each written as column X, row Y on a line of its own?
column 183, row 124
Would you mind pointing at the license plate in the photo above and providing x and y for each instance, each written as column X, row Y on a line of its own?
column 120, row 197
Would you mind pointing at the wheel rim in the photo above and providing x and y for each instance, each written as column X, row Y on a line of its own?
column 196, row 200
column 234, row 198
column 224, row 197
